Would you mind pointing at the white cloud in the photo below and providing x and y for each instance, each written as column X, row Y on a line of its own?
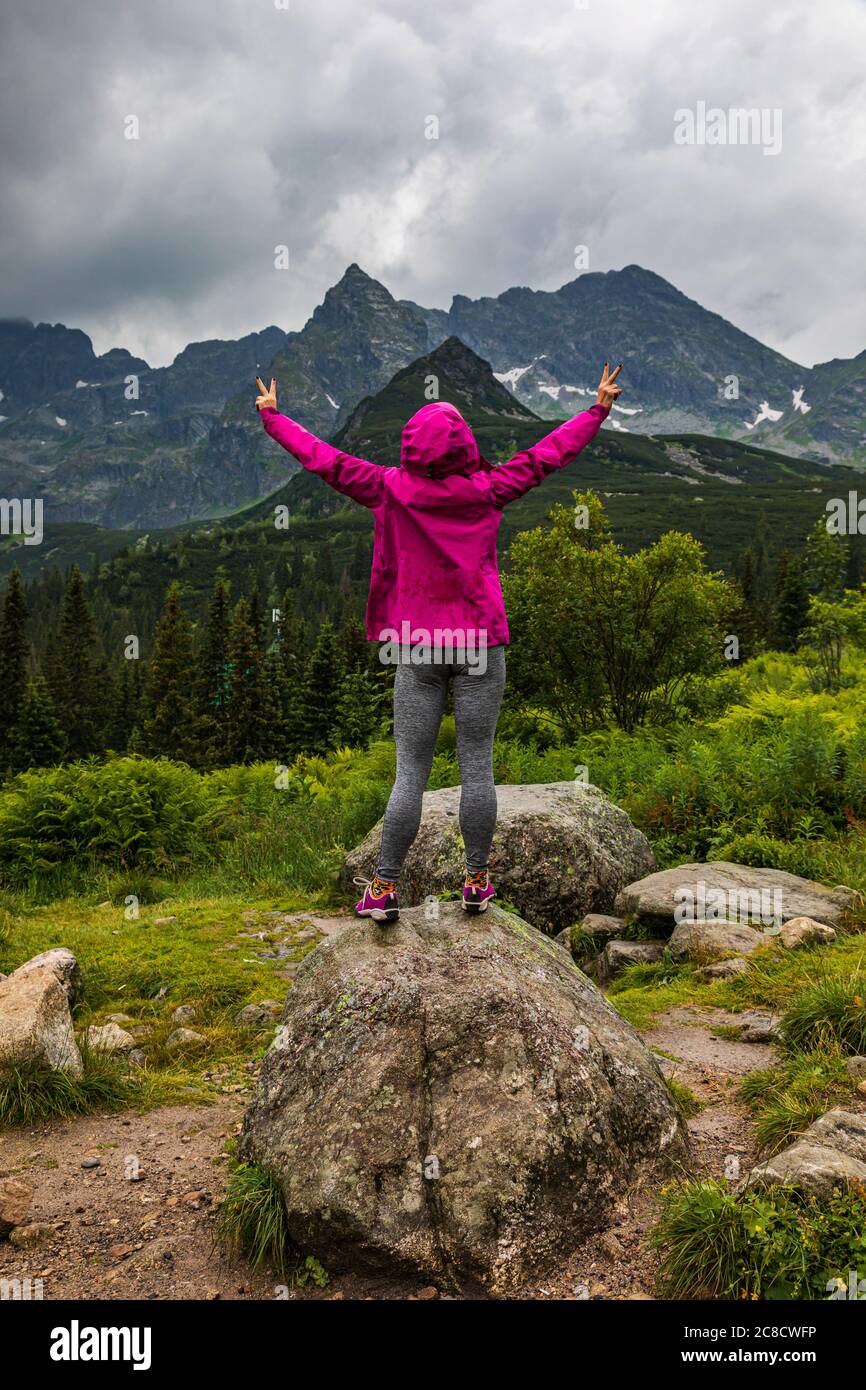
column 306, row 127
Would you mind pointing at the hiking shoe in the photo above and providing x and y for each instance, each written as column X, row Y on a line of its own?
column 379, row 900
column 477, row 891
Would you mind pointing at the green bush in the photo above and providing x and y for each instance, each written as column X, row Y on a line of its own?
column 775, row 1244
column 829, row 1013
column 127, row 812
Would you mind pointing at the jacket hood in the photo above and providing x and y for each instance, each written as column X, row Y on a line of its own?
column 437, row 442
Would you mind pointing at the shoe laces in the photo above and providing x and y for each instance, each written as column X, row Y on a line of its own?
column 377, row 886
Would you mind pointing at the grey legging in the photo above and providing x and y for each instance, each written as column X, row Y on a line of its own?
column 419, row 699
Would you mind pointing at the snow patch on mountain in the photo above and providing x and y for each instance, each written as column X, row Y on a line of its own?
column 61, row 422
column 513, row 375
column 766, row 412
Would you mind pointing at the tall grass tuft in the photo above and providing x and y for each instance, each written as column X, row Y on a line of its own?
column 252, row 1221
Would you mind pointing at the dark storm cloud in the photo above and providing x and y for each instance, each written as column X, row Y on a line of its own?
column 306, row 126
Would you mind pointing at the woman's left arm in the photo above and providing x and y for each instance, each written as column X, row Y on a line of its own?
column 529, row 468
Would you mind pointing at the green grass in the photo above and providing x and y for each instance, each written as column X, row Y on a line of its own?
column 252, row 1221
column 715, row 1243
column 786, row 1099
column 776, row 980
column 201, row 958
column 34, row 1093
column 685, row 1099
column 832, row 1011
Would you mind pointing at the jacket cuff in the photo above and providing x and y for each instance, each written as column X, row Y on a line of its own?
column 602, row 411
column 267, row 410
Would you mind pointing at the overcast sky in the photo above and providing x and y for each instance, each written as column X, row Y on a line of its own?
column 305, row 126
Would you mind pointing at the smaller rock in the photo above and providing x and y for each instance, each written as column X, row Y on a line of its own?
column 602, row 925
column 184, row 1013
column 856, row 1068
column 183, row 1038
column 703, row 941
column 826, row 1157
column 15, row 1199
column 33, row 1234
column 723, row 969
column 163, row 921
column 140, row 1030
column 60, row 962
column 804, row 931
column 36, row 1023
column 109, row 1038
column 120, row 1018
column 611, row 1245
column 761, row 1028
column 258, row 1015
column 618, row 955
column 137, row 1058
column 91, row 1162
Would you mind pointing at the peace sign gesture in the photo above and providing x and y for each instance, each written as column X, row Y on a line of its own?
column 607, row 392
column 268, row 399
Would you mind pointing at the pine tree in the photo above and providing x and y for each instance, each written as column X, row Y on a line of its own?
column 171, row 728
column 791, row 604
column 76, row 670
column 125, row 705
column 14, row 656
column 214, row 674
column 257, row 618
column 362, row 708
column 251, row 732
column 747, row 621
column 38, row 737
column 287, row 677
column 321, row 688
column 824, row 563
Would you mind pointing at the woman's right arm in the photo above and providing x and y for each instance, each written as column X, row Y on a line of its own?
column 353, row 477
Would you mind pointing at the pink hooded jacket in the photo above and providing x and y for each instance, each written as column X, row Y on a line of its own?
column 436, row 518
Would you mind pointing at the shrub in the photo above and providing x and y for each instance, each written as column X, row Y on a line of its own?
column 775, row 1245
column 830, row 1012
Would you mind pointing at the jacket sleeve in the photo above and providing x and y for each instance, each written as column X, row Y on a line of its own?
column 526, row 470
column 355, row 478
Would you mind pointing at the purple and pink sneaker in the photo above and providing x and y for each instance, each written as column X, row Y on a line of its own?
column 477, row 891
column 379, row 900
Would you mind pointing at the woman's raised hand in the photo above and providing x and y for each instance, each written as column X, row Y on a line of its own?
column 607, row 392
column 268, row 399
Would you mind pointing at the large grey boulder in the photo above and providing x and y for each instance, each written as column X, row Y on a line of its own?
column 827, row 1156
column 452, row 1097
column 561, row 849
column 731, row 892
column 36, row 1023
